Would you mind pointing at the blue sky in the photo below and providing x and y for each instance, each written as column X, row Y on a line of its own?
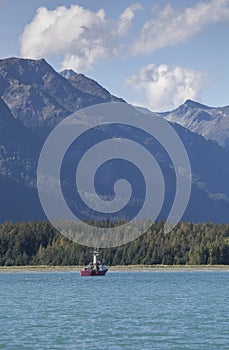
column 152, row 53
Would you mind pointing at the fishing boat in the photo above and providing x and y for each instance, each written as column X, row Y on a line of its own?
column 95, row 268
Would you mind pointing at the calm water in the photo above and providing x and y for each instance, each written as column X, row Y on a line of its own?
column 152, row 310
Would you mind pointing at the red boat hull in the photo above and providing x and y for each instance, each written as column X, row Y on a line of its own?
column 93, row 272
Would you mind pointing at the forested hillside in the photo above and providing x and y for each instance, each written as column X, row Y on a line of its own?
column 38, row 243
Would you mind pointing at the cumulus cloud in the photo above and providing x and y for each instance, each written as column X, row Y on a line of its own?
column 166, row 88
column 79, row 35
column 126, row 18
column 171, row 26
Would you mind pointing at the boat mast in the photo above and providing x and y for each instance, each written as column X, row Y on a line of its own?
column 95, row 254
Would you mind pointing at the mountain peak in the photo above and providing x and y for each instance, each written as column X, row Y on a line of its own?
column 68, row 73
column 194, row 104
column 25, row 71
column 26, row 62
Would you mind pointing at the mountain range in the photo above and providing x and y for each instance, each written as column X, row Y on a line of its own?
column 34, row 98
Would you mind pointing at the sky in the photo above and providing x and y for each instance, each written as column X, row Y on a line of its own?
column 155, row 54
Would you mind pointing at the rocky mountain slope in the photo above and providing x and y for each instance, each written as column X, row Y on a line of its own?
column 210, row 122
column 89, row 86
column 40, row 98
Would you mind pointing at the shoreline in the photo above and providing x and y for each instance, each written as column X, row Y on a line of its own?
column 117, row 268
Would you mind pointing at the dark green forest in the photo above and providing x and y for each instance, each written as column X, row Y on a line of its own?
column 38, row 243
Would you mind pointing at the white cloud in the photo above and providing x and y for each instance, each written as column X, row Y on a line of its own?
column 166, row 88
column 79, row 35
column 126, row 18
column 171, row 27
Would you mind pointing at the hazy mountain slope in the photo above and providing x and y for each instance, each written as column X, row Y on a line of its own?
column 18, row 202
column 210, row 122
column 19, row 148
column 210, row 172
column 209, row 161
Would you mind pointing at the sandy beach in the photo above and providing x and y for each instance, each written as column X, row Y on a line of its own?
column 128, row 268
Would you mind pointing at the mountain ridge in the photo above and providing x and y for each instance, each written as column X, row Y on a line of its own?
column 210, row 122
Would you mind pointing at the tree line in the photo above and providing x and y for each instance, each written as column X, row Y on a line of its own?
column 38, row 243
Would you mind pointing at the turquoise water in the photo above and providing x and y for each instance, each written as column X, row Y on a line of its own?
column 136, row 310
